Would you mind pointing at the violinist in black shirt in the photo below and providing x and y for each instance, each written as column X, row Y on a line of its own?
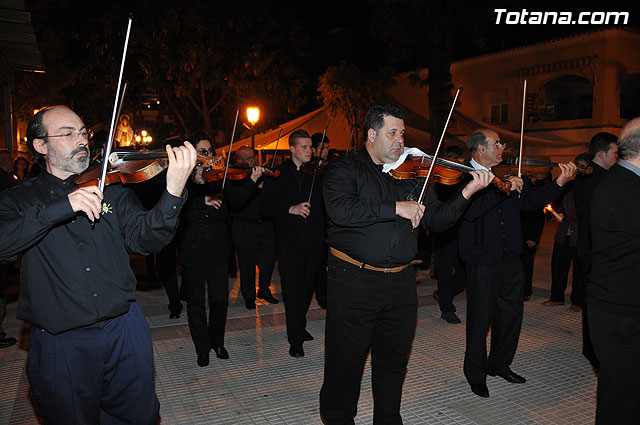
column 299, row 228
column 253, row 237
column 490, row 243
column 204, row 254
column 90, row 355
column 371, row 290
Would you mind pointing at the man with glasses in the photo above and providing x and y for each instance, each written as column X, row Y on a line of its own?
column 90, row 356
column 490, row 242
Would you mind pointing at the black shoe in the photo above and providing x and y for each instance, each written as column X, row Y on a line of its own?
column 250, row 304
column 510, row 376
column 450, row 317
column 296, row 351
column 480, row 390
column 221, row 352
column 436, row 295
column 7, row 342
column 308, row 336
column 267, row 297
column 203, row 359
column 175, row 310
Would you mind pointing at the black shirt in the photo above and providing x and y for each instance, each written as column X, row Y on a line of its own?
column 361, row 208
column 291, row 188
column 614, row 279
column 583, row 190
column 203, row 235
column 73, row 275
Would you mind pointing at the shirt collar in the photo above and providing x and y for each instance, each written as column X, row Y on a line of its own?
column 478, row 166
column 629, row 166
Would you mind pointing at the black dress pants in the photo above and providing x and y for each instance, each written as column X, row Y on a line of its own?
column 366, row 309
column 166, row 264
column 587, row 347
column 451, row 275
column 495, row 296
column 616, row 340
column 206, row 334
column 562, row 257
column 320, row 285
column 256, row 246
column 528, row 258
column 298, row 263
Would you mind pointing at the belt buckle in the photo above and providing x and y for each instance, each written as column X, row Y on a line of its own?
column 387, row 269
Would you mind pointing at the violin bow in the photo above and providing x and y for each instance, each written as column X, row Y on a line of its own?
column 350, row 138
column 435, row 155
column 273, row 160
column 109, row 143
column 233, row 135
column 315, row 171
column 524, row 98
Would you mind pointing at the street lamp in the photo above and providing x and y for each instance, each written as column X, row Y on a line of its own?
column 253, row 115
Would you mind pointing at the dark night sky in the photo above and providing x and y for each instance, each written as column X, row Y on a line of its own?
column 347, row 24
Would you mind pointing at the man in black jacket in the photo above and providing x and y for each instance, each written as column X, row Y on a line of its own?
column 90, row 355
column 604, row 149
column 371, row 288
column 300, row 232
column 490, row 241
column 613, row 290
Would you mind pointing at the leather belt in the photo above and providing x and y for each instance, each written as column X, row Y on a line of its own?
column 341, row 255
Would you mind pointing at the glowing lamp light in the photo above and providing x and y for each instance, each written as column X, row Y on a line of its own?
column 144, row 133
column 138, row 139
column 253, row 115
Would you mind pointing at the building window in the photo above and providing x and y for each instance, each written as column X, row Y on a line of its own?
column 498, row 106
column 630, row 97
column 568, row 98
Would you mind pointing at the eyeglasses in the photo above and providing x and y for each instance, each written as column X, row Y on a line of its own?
column 499, row 143
column 205, row 152
column 74, row 134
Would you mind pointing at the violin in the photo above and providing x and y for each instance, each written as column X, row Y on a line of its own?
column 309, row 168
column 234, row 172
column 138, row 166
column 537, row 168
column 446, row 171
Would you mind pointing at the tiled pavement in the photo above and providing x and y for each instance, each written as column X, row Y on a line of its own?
column 262, row 384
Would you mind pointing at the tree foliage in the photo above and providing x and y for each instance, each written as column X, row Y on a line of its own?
column 428, row 34
column 205, row 59
column 215, row 57
column 345, row 90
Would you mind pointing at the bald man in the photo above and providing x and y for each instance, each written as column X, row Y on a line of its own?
column 254, row 238
column 490, row 241
column 613, row 289
column 90, row 356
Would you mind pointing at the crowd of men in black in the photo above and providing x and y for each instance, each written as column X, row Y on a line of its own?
column 345, row 230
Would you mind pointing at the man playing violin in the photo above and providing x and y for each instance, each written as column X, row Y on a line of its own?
column 490, row 241
column 254, row 238
column 300, row 231
column 371, row 290
column 90, row 356
column 203, row 247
